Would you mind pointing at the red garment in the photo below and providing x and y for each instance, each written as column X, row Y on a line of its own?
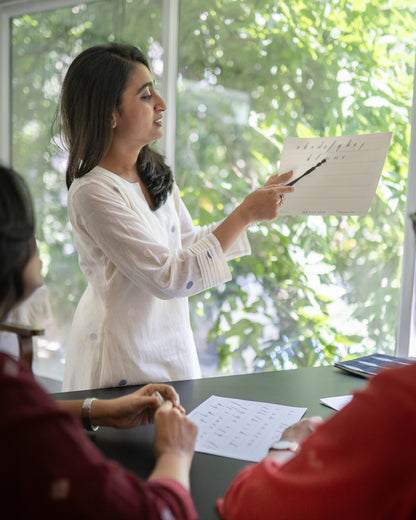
column 49, row 469
column 360, row 464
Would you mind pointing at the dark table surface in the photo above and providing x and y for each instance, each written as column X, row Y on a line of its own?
column 210, row 474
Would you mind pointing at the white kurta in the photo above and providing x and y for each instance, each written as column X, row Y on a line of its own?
column 132, row 323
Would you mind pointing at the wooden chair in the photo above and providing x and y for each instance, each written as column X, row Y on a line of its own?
column 25, row 335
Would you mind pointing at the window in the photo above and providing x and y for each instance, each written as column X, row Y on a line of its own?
column 43, row 43
column 249, row 73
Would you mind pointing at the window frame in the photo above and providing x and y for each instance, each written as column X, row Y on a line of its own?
column 406, row 341
column 406, row 330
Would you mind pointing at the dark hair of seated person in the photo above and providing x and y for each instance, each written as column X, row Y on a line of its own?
column 17, row 243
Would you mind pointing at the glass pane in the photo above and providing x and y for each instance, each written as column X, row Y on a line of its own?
column 43, row 45
column 315, row 289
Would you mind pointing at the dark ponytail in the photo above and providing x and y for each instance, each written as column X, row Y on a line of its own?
column 155, row 174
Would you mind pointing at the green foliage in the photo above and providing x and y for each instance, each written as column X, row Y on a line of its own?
column 250, row 73
column 43, row 45
column 319, row 288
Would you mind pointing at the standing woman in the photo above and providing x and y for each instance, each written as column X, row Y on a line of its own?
column 137, row 246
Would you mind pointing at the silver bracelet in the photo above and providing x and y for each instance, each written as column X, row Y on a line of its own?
column 86, row 414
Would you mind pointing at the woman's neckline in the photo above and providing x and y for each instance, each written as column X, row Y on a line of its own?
column 118, row 176
column 137, row 184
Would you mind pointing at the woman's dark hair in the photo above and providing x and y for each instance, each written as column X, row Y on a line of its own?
column 91, row 91
column 17, row 244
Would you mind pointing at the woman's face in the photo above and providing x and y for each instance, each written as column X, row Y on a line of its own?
column 138, row 120
column 32, row 275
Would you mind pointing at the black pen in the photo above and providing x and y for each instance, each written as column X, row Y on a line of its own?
column 306, row 173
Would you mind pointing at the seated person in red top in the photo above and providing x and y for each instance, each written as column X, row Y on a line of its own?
column 49, row 468
column 358, row 465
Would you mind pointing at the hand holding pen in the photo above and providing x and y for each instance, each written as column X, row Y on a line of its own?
column 135, row 409
column 157, row 394
column 174, row 443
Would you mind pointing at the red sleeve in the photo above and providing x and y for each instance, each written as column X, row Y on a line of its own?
column 359, row 464
column 49, row 468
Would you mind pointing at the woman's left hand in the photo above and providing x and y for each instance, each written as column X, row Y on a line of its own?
column 135, row 409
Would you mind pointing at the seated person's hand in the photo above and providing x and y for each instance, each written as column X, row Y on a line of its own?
column 135, row 409
column 301, row 430
column 297, row 433
column 174, row 443
column 175, row 433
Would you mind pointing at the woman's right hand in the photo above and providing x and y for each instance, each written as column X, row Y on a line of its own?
column 297, row 433
column 301, row 430
column 175, row 433
column 174, row 443
column 261, row 205
column 264, row 203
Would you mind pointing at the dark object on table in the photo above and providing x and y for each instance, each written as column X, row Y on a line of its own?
column 367, row 366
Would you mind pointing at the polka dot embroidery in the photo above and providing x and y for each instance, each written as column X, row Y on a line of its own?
column 123, row 382
column 209, row 255
column 116, row 189
column 189, row 285
column 93, row 336
column 173, row 229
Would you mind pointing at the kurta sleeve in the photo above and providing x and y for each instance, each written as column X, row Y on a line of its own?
column 359, row 464
column 50, row 469
column 191, row 233
column 107, row 225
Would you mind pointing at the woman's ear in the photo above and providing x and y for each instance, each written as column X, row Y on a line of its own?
column 113, row 120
